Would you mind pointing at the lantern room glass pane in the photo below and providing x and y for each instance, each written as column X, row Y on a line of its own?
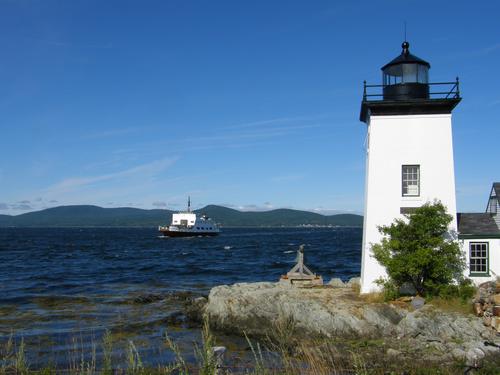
column 409, row 73
column 406, row 73
column 423, row 74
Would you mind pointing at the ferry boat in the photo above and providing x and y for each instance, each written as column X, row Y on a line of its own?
column 187, row 224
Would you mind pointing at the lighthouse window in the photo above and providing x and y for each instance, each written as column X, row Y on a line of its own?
column 411, row 180
column 478, row 258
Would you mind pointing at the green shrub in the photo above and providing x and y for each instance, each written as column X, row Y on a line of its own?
column 390, row 290
column 421, row 251
column 465, row 290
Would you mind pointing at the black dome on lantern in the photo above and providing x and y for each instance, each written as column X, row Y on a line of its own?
column 406, row 77
column 406, row 58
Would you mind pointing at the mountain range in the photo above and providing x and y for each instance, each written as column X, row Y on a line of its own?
column 94, row 216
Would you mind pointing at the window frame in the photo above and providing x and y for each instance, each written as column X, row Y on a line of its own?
column 403, row 179
column 476, row 273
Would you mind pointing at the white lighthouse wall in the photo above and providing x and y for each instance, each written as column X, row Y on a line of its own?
column 394, row 141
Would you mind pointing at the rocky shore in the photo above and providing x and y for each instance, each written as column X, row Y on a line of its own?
column 337, row 312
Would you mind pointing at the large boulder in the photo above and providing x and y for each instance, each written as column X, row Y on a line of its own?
column 257, row 308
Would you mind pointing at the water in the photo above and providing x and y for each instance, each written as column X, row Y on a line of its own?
column 60, row 289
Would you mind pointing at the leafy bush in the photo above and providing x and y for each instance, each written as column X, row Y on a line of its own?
column 390, row 290
column 464, row 290
column 421, row 251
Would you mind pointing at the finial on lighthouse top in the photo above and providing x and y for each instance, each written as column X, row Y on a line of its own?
column 406, row 47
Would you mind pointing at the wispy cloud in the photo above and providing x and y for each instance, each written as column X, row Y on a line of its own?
column 477, row 52
column 278, row 122
column 67, row 43
column 331, row 211
column 250, row 207
column 491, row 48
column 159, row 204
column 260, row 123
column 16, row 206
column 113, row 133
column 145, row 170
column 240, row 135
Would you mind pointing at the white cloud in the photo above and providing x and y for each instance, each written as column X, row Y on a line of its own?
column 141, row 171
column 491, row 48
column 159, row 204
column 113, row 132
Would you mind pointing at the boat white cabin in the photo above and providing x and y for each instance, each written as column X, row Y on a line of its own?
column 187, row 224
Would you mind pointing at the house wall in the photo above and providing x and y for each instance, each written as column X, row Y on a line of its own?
column 393, row 141
column 494, row 258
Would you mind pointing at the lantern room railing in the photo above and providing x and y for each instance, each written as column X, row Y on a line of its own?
column 444, row 90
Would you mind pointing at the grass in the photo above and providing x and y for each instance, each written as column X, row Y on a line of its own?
column 280, row 353
column 455, row 304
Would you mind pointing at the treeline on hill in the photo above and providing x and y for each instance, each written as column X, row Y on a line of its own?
column 93, row 216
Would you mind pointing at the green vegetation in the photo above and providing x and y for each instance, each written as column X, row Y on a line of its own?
column 297, row 357
column 419, row 251
column 93, row 216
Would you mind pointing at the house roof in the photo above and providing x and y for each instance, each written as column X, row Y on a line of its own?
column 496, row 187
column 477, row 224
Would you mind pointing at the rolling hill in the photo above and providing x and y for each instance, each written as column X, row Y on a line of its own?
column 94, row 216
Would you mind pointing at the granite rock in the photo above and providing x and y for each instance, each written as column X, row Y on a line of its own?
column 258, row 308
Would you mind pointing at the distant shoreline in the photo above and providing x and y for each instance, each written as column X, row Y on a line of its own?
column 127, row 217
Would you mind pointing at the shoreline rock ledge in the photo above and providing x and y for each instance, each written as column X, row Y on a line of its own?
column 258, row 309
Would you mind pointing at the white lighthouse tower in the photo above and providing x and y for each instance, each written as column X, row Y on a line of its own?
column 409, row 150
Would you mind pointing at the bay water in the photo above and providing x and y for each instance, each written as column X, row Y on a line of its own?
column 61, row 289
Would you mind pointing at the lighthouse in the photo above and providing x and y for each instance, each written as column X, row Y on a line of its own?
column 409, row 150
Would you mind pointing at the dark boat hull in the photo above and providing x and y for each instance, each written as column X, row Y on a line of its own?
column 168, row 233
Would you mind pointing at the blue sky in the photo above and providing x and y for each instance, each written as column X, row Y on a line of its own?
column 250, row 104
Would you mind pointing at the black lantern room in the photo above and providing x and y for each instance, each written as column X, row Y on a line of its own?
column 405, row 90
column 406, row 77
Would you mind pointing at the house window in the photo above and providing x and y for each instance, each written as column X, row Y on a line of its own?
column 478, row 258
column 411, row 180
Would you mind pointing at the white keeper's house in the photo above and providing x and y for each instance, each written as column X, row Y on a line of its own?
column 409, row 162
column 479, row 236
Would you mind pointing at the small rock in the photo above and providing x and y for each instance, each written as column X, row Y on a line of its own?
column 417, row 302
column 495, row 323
column 194, row 309
column 219, row 352
column 487, row 321
column 496, row 299
column 478, row 309
column 496, row 310
column 337, row 283
column 473, row 357
column 393, row 352
column 147, row 298
column 354, row 281
column 407, row 289
column 458, row 353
